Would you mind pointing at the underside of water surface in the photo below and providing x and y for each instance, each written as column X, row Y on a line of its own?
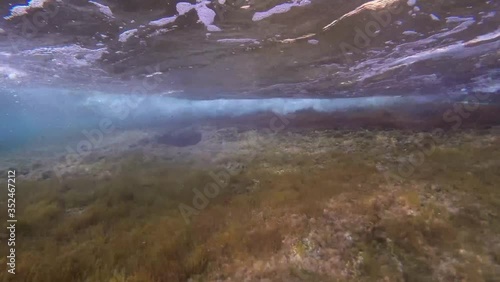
column 261, row 140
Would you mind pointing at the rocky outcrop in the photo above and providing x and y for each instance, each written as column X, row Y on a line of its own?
column 180, row 138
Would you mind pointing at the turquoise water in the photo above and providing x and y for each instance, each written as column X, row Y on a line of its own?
column 37, row 115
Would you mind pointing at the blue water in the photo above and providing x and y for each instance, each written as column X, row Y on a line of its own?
column 36, row 115
column 31, row 117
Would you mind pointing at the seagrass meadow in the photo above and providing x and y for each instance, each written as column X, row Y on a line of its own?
column 329, row 205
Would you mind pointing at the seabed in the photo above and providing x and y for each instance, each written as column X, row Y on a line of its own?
column 261, row 205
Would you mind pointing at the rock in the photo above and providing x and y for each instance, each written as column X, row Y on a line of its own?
column 144, row 142
column 46, row 175
column 180, row 138
column 36, row 165
column 141, row 143
column 75, row 211
column 379, row 234
column 436, row 188
column 234, row 168
column 23, row 171
column 228, row 134
column 94, row 158
column 104, row 175
column 2, row 32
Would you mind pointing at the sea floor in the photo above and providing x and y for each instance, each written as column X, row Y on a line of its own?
column 252, row 205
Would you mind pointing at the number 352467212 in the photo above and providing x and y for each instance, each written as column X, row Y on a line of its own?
column 11, row 188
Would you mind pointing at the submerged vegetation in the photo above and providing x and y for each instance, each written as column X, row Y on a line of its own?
column 313, row 207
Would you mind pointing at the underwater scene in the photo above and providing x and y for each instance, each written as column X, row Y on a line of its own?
column 249, row 140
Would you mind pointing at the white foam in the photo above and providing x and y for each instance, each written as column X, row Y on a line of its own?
column 11, row 73
column 205, row 15
column 21, row 10
column 183, row 7
column 459, row 50
column 487, row 83
column 434, row 17
column 67, row 56
column 279, row 9
column 159, row 32
column 161, row 105
column 163, row 21
column 489, row 15
column 410, row 32
column 126, row 35
column 103, row 9
column 417, row 44
column 458, row 19
column 153, row 74
column 213, row 28
column 485, row 37
column 238, row 40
